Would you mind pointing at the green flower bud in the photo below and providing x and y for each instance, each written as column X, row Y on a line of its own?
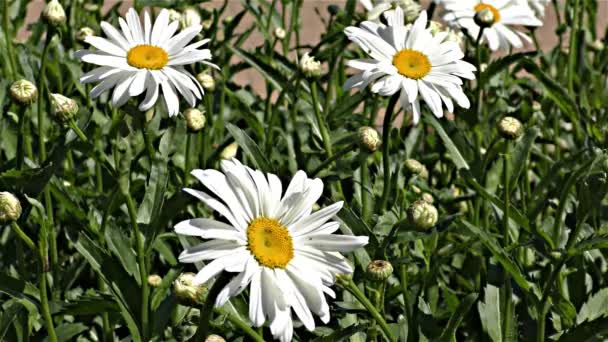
column 214, row 338
column 333, row 9
column 53, row 13
column 484, row 18
column 415, row 167
column 369, row 138
column 510, row 128
column 84, row 32
column 379, row 270
column 309, row 66
column 206, row 80
column 342, row 280
column 422, row 215
column 188, row 293
column 63, row 108
column 10, row 207
column 154, row 280
column 195, row 119
column 428, row 198
column 23, row 92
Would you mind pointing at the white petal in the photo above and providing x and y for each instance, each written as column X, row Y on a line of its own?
column 106, row 46
column 315, row 220
column 334, row 243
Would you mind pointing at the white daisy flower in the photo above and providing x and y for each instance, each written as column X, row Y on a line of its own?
column 141, row 59
column 412, row 61
column 375, row 8
column 286, row 254
column 506, row 13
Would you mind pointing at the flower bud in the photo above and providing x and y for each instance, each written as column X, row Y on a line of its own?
column 484, row 18
column 379, row 270
column 597, row 45
column 91, row 7
column 53, row 13
column 195, row 119
column 435, row 27
column 10, row 207
column 536, row 106
column 369, row 138
column 414, row 167
column 23, row 92
column 229, row 151
column 190, row 17
column 63, row 108
column 333, row 9
column 279, row 33
column 411, row 10
column 510, row 128
column 422, row 215
column 84, row 32
column 215, row 338
column 343, row 279
column 154, row 280
column 428, row 198
column 174, row 15
column 206, row 81
column 310, row 66
column 188, row 293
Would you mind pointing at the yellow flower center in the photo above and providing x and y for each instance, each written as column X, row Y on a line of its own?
column 494, row 10
column 269, row 242
column 412, row 64
column 147, row 57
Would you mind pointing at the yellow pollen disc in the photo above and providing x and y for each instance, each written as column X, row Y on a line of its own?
column 412, row 64
column 494, row 10
column 147, row 57
column 269, row 242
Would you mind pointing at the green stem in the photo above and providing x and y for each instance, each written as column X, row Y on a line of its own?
column 386, row 163
column 187, row 162
column 44, row 301
column 240, row 324
column 207, row 309
column 365, row 185
column 143, row 270
column 507, row 281
column 12, row 66
column 355, row 291
column 543, row 307
column 573, row 47
column 74, row 126
column 333, row 158
column 404, row 291
column 323, row 129
column 21, row 137
column 479, row 88
column 23, row 236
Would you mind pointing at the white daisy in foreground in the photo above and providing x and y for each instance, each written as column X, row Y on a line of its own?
column 412, row 61
column 505, row 14
column 143, row 58
column 276, row 245
column 375, row 8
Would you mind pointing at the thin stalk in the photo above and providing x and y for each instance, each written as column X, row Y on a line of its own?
column 23, row 236
column 328, row 161
column 324, row 131
column 143, row 269
column 543, row 308
column 187, row 162
column 44, row 303
column 357, row 293
column 386, row 163
column 573, row 47
column 12, row 65
column 365, row 184
column 241, row 325
column 21, row 137
column 507, row 324
column 207, row 309
column 74, row 126
column 404, row 291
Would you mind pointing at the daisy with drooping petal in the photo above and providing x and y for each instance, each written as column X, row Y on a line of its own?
column 505, row 13
column 274, row 244
column 141, row 59
column 412, row 61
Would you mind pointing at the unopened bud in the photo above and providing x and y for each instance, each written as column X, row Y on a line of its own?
column 215, row 338
column 174, row 15
column 279, row 33
column 23, row 92
column 484, row 18
column 188, row 293
column 510, row 128
column 379, row 270
column 536, row 106
column 369, row 138
column 310, row 66
column 435, row 27
column 597, row 45
column 84, row 32
column 230, row 151
column 195, row 119
column 422, row 215
column 10, row 207
column 206, row 81
column 428, row 198
column 63, row 108
column 333, row 9
column 53, row 13
column 343, row 279
column 154, row 280
column 190, row 17
column 415, row 167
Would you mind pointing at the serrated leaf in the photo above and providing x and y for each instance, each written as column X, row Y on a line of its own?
column 490, row 313
column 595, row 307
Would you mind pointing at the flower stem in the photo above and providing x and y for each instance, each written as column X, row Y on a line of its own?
column 26, row 239
column 333, row 158
column 207, row 309
column 572, row 56
column 365, row 185
column 21, row 137
column 44, row 302
column 76, row 129
column 12, row 66
column 143, row 270
column 355, row 291
column 386, row 163
column 241, row 325
column 507, row 324
column 323, row 129
column 188, row 152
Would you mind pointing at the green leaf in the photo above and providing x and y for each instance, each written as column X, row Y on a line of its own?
column 90, row 305
column 500, row 254
column 449, row 144
column 521, row 153
column 502, row 63
column 150, row 207
column 595, row 307
column 490, row 314
column 595, row 242
column 250, row 147
column 449, row 333
column 66, row 332
column 342, row 334
column 118, row 243
column 8, row 316
column 586, row 332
